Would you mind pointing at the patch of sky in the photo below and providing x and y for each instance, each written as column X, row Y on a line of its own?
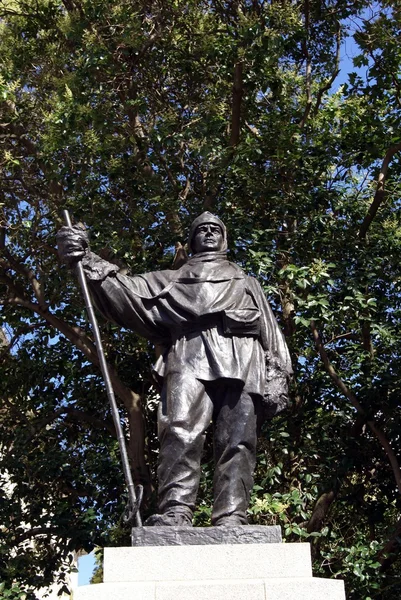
column 349, row 48
column 86, row 566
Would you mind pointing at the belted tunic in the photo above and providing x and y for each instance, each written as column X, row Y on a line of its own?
column 212, row 320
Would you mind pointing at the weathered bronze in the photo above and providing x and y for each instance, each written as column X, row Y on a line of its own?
column 224, row 358
column 132, row 513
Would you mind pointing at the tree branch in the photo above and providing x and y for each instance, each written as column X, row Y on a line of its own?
column 389, row 553
column 334, row 74
column 326, row 499
column 29, row 274
column 6, row 346
column 54, row 186
column 130, row 399
column 238, row 92
column 74, row 334
column 378, row 62
column 320, row 510
column 343, row 336
column 379, row 196
column 356, row 404
column 34, row 532
column 76, row 415
column 308, row 70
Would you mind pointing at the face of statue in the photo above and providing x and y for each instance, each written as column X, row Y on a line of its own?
column 208, row 237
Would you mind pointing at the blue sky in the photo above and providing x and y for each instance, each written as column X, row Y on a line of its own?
column 86, row 565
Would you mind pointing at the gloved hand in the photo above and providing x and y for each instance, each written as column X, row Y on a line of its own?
column 276, row 396
column 72, row 244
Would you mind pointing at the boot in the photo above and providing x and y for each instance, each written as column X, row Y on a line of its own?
column 176, row 516
column 230, row 521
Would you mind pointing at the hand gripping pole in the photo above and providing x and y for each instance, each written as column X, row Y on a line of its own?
column 131, row 513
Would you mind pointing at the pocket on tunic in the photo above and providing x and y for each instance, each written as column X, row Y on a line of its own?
column 242, row 321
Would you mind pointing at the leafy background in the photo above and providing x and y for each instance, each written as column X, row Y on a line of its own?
column 136, row 116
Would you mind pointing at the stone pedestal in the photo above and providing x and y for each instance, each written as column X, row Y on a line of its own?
column 205, row 536
column 215, row 570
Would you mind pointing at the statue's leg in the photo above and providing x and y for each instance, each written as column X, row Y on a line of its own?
column 185, row 412
column 235, row 453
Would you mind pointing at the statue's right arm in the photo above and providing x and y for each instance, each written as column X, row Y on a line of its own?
column 118, row 297
column 73, row 246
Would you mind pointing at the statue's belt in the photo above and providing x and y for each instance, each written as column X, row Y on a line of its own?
column 232, row 323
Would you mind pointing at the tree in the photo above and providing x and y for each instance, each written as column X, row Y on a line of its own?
column 136, row 116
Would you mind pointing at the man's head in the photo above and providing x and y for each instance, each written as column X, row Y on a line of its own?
column 207, row 234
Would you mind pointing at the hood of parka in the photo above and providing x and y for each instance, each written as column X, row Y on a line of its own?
column 204, row 218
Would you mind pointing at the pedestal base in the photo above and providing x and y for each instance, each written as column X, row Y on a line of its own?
column 273, row 589
column 201, row 536
column 212, row 571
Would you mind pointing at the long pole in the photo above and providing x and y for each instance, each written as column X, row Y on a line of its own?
column 133, row 508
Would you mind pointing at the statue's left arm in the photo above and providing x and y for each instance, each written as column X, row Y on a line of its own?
column 278, row 361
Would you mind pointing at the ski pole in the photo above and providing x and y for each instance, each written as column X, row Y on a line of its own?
column 133, row 501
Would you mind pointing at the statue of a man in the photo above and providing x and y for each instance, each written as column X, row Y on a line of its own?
column 224, row 355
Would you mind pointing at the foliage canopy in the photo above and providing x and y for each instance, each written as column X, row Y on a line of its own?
column 137, row 116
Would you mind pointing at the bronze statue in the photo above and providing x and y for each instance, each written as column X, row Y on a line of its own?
column 224, row 355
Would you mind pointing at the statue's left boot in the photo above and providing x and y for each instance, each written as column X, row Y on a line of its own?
column 229, row 521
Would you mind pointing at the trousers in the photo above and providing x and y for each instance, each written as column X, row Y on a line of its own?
column 188, row 406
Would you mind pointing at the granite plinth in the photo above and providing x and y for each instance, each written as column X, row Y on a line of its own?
column 210, row 571
column 199, row 563
column 200, row 536
column 304, row 588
